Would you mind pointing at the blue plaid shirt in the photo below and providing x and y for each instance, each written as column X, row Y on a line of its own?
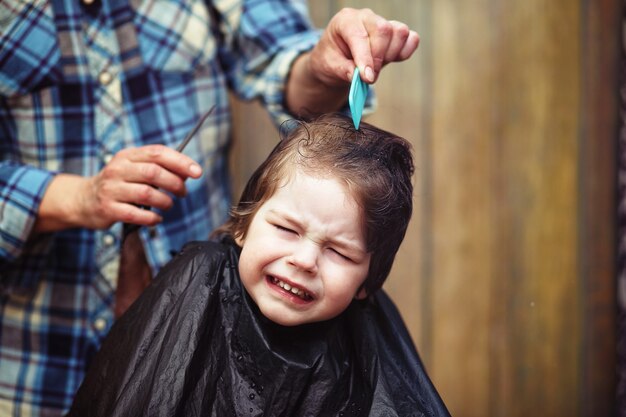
column 78, row 83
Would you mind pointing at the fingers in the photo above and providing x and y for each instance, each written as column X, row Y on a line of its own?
column 128, row 213
column 155, row 176
column 154, row 165
column 371, row 40
column 351, row 28
column 331, row 59
column 97, row 202
column 169, row 159
column 410, row 46
column 379, row 37
column 136, row 194
column 402, row 44
column 136, row 177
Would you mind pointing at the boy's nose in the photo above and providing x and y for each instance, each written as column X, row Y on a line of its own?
column 305, row 256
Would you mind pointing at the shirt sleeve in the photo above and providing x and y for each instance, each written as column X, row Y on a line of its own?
column 29, row 54
column 261, row 39
column 21, row 190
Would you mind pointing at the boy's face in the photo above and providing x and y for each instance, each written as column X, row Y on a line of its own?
column 304, row 256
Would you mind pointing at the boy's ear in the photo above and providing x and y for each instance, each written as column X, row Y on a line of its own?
column 362, row 294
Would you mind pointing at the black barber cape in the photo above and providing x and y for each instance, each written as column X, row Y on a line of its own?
column 195, row 344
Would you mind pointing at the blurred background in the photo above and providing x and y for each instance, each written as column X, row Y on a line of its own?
column 507, row 278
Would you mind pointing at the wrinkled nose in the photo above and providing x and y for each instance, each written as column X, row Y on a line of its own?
column 305, row 256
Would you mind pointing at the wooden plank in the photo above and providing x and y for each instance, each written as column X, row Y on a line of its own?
column 461, row 216
column 601, row 51
column 536, row 299
column 254, row 137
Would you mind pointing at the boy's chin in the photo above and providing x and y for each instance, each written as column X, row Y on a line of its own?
column 283, row 319
column 288, row 318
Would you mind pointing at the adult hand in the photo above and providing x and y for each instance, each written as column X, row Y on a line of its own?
column 363, row 38
column 134, row 177
column 320, row 79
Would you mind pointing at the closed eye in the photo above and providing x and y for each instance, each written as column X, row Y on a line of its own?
column 347, row 258
column 284, row 229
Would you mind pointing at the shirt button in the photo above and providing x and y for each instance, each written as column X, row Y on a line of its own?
column 100, row 324
column 108, row 240
column 107, row 158
column 105, row 77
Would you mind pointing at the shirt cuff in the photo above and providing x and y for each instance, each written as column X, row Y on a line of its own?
column 278, row 73
column 21, row 191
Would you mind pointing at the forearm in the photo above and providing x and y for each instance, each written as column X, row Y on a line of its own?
column 306, row 95
column 59, row 207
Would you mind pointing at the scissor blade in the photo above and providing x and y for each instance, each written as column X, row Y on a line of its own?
column 193, row 131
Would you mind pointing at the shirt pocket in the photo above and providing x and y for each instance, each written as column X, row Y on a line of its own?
column 174, row 36
column 29, row 55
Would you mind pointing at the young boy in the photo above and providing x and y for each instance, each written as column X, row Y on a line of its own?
column 284, row 316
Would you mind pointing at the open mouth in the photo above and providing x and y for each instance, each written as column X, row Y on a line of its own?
column 303, row 295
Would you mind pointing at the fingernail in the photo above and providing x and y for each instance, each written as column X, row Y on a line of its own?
column 195, row 169
column 369, row 74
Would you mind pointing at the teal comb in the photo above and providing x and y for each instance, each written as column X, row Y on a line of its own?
column 356, row 97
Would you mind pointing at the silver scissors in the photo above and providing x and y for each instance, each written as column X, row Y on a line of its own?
column 131, row 227
column 194, row 130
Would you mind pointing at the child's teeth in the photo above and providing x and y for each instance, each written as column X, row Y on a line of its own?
column 288, row 287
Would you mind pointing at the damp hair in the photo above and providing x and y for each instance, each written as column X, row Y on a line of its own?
column 376, row 166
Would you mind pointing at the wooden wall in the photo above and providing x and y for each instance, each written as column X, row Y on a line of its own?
column 506, row 277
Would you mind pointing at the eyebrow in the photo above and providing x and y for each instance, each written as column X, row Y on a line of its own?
column 346, row 244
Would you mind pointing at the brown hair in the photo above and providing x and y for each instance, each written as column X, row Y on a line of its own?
column 376, row 166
